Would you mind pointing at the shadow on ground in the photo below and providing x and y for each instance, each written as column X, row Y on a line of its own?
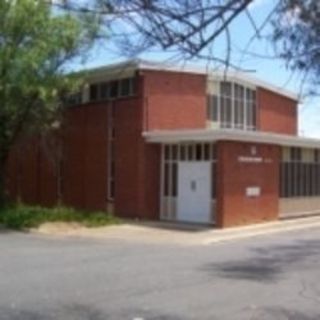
column 81, row 312
column 4, row 230
column 176, row 226
column 267, row 264
column 284, row 314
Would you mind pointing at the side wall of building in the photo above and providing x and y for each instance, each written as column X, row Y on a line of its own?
column 81, row 180
column 31, row 173
column 242, row 166
column 84, row 166
column 276, row 113
column 69, row 168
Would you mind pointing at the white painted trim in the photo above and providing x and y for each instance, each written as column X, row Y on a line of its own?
column 207, row 135
column 298, row 214
column 130, row 66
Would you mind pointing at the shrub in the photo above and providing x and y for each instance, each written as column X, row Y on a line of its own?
column 25, row 217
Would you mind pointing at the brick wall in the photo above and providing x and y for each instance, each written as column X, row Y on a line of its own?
column 85, row 157
column 128, row 135
column 276, row 113
column 234, row 176
column 33, row 173
column 174, row 100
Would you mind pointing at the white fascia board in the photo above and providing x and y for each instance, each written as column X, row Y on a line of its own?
column 237, row 76
column 205, row 135
column 245, row 78
column 138, row 64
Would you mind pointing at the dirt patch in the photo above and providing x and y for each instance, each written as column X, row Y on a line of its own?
column 60, row 228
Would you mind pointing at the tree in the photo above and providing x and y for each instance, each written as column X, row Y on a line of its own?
column 190, row 28
column 297, row 38
column 37, row 45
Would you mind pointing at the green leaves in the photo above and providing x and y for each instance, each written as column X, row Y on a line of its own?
column 38, row 43
column 297, row 37
column 37, row 46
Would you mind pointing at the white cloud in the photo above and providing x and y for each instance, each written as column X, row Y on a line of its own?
column 257, row 4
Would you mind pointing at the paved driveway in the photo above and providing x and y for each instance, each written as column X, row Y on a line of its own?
column 273, row 276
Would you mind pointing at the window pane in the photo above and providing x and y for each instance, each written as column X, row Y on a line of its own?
column 223, row 116
column 190, row 152
column 167, row 152
column 287, row 179
column 295, row 154
column 215, row 111
column 125, row 85
column 174, row 152
column 104, row 90
column 174, row 179
column 182, row 152
column 213, row 180
column 212, row 107
column 209, row 107
column 93, row 94
column 229, row 112
column 250, row 115
column 114, row 89
column 225, row 89
column 198, row 152
column 206, row 154
column 166, row 179
column 315, row 156
column 237, row 114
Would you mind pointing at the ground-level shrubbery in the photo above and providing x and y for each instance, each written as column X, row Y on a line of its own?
column 25, row 217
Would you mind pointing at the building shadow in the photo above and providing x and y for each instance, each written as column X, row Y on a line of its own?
column 172, row 225
column 284, row 314
column 82, row 312
column 266, row 264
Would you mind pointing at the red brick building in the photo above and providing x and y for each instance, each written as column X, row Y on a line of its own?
column 150, row 141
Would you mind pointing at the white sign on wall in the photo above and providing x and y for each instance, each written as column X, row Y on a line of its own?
column 253, row 191
column 250, row 159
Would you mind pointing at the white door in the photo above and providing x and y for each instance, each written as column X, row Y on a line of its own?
column 194, row 192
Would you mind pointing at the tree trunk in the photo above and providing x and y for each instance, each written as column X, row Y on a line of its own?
column 4, row 155
column 2, row 184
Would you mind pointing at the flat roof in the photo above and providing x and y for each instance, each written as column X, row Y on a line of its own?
column 212, row 135
column 138, row 64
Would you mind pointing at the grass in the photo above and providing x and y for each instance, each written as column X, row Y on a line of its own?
column 21, row 217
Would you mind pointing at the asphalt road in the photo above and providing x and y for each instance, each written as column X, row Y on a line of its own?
column 267, row 277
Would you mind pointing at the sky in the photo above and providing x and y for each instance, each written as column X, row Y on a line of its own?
column 270, row 70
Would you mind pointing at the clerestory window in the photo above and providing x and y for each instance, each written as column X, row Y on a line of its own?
column 232, row 105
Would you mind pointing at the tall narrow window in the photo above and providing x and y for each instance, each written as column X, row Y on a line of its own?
column 111, row 153
column 94, row 92
column 104, row 90
column 232, row 106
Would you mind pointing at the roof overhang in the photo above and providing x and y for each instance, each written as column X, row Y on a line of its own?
column 214, row 135
column 129, row 67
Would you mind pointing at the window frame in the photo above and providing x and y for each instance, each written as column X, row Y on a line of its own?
column 223, row 106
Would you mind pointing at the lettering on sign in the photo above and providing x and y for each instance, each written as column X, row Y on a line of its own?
column 253, row 191
column 250, row 159
column 246, row 159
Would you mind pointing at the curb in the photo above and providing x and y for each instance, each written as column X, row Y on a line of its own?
column 257, row 230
